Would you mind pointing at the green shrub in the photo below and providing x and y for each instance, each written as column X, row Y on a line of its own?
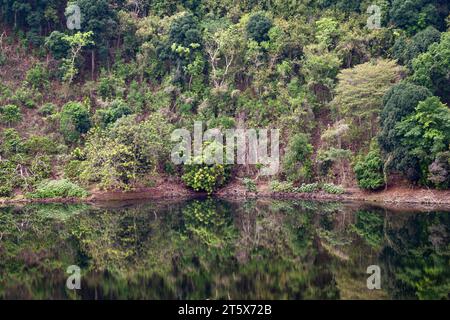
column 332, row 189
column 110, row 86
column 73, row 170
column 7, row 173
column 258, row 27
column 369, row 170
column 40, row 144
column 10, row 114
column 74, row 121
column 117, row 109
column 203, row 175
column 47, row 109
column 58, row 189
column 281, row 186
column 26, row 97
column 297, row 164
column 249, row 184
column 308, row 188
column 37, row 77
column 5, row 190
column 11, row 142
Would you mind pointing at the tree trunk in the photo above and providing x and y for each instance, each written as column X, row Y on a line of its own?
column 92, row 64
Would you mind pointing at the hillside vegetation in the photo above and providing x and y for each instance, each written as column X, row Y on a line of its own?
column 95, row 107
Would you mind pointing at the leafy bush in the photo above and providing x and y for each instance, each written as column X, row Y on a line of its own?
column 203, row 173
column 202, row 177
column 26, row 97
column 281, row 186
column 58, row 189
column 308, row 188
column 47, row 109
column 126, row 151
column 37, row 77
column 439, row 171
column 249, row 184
column 117, row 109
column 110, row 87
column 11, row 142
column 369, row 170
column 10, row 114
column 7, row 171
column 40, row 144
column 73, row 169
column 297, row 164
column 258, row 27
column 332, row 189
column 74, row 121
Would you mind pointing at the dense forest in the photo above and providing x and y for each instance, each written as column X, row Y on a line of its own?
column 94, row 108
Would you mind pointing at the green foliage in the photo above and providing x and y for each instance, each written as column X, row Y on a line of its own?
column 369, row 169
column 405, row 50
column 360, row 92
column 47, row 109
column 40, row 144
column 281, row 186
column 370, row 226
column 56, row 44
column 202, row 173
column 249, row 184
column 37, row 77
column 431, row 68
column 258, row 27
column 75, row 121
column 26, row 97
column 308, row 188
column 76, row 43
column 332, row 189
column 58, row 189
column 126, row 151
column 10, row 114
column 439, row 171
column 297, row 164
column 426, row 132
column 11, row 142
column 115, row 110
column 414, row 15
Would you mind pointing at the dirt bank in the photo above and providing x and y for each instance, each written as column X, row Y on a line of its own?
column 170, row 190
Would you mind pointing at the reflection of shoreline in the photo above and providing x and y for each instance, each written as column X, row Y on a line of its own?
column 394, row 198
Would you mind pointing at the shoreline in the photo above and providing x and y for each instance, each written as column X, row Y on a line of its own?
column 394, row 196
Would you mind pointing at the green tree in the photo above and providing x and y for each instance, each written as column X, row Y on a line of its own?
column 398, row 103
column 258, row 27
column 405, row 50
column 75, row 121
column 126, row 151
column 431, row 68
column 426, row 132
column 297, row 164
column 10, row 114
column 360, row 92
column 76, row 43
column 369, row 169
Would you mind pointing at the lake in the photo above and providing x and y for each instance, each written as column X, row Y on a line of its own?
column 215, row 249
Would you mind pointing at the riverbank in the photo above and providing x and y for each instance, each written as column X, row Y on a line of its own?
column 170, row 191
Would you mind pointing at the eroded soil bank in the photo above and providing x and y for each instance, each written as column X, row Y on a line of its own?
column 412, row 197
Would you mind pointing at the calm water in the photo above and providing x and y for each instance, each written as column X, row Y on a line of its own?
column 211, row 249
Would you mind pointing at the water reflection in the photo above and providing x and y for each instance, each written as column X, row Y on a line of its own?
column 214, row 249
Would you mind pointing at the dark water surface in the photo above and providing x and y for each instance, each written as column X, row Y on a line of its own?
column 214, row 249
